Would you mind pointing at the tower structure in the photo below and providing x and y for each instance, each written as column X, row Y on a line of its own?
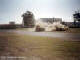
column 76, row 17
column 28, row 19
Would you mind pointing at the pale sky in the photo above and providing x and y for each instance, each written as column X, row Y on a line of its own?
column 11, row 10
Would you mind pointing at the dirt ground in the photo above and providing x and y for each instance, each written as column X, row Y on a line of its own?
column 26, row 47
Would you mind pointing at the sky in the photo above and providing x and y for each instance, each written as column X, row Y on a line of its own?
column 11, row 10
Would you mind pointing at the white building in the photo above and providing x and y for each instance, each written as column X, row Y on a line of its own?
column 51, row 20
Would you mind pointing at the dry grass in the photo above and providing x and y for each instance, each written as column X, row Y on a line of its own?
column 42, row 48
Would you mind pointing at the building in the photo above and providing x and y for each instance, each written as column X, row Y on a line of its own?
column 12, row 23
column 57, row 19
column 28, row 20
column 51, row 20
